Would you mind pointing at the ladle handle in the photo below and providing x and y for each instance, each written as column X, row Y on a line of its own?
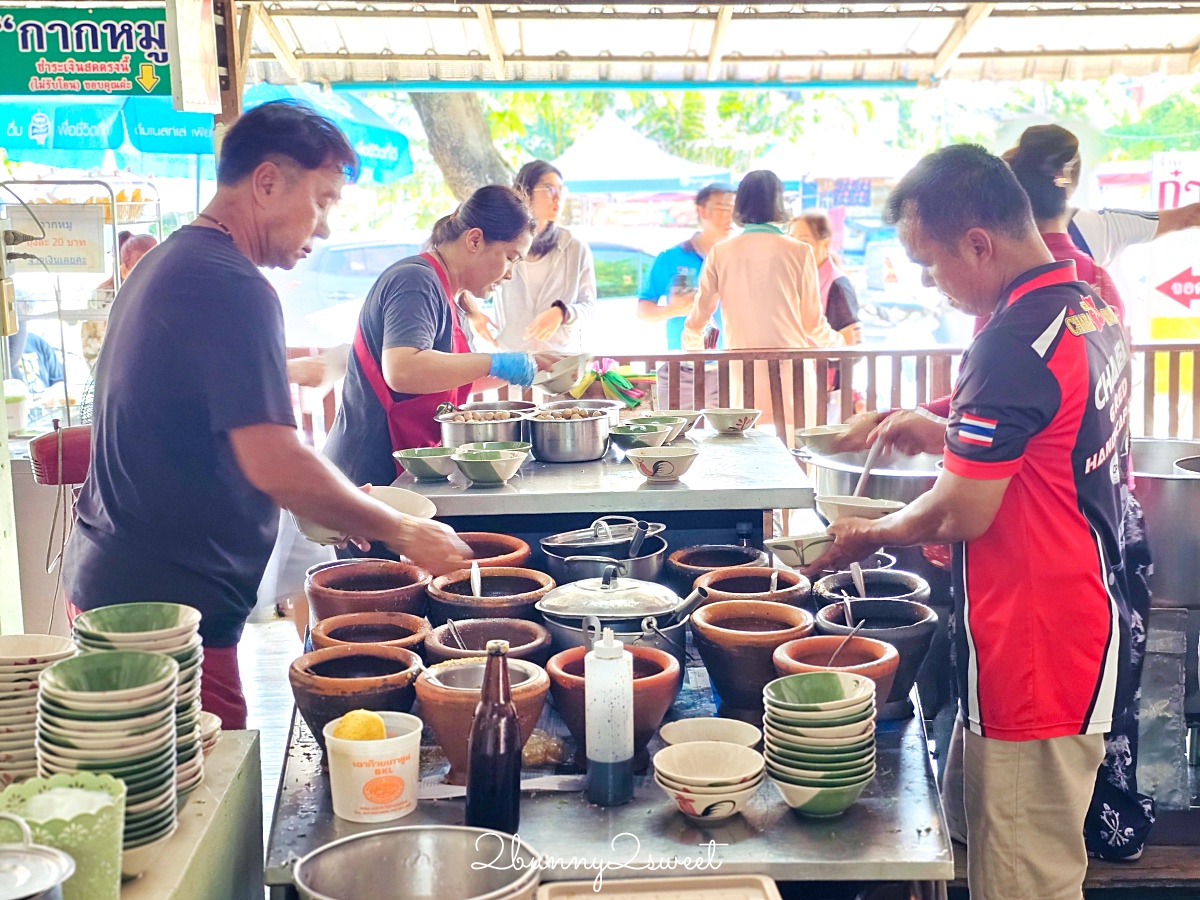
column 844, row 642
column 872, row 456
column 639, row 536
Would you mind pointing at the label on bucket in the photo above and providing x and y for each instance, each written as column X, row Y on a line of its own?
column 374, row 788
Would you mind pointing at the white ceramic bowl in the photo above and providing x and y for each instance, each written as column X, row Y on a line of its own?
column 662, row 464
column 408, row 502
column 796, row 742
column 823, row 439
column 820, row 802
column 731, row 421
column 563, row 375
column 709, row 764
column 709, row 807
column 690, row 415
column 856, row 730
column 840, row 507
column 707, row 791
column 704, row 728
column 33, row 649
column 136, row 860
column 800, row 550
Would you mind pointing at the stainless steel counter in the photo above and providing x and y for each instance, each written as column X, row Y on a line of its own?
column 895, row 832
column 736, row 472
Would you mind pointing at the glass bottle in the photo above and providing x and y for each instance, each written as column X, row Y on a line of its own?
column 494, row 749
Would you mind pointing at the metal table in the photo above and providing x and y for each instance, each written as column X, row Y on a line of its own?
column 896, row 831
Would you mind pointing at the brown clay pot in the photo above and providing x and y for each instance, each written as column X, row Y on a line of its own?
column 754, row 583
column 657, row 678
column 385, row 629
column 329, row 683
column 507, row 593
column 496, row 550
column 688, row 564
column 449, row 693
column 860, row 656
column 526, row 640
column 736, row 639
column 366, row 585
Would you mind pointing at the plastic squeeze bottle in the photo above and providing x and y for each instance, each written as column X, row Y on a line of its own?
column 494, row 748
column 608, row 708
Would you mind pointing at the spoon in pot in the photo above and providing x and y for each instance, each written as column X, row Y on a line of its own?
column 872, row 455
column 856, row 574
column 774, row 581
column 453, row 629
column 844, row 642
column 476, row 582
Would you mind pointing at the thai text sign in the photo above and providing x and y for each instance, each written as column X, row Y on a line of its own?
column 84, row 52
column 74, row 240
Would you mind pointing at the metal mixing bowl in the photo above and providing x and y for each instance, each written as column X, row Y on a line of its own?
column 455, row 434
column 419, row 862
column 612, row 407
column 569, row 440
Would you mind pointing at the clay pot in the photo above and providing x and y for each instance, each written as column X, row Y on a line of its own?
column 385, row 629
column 657, row 678
column 860, row 656
column 754, row 583
column 365, row 585
column 688, row 564
column 736, row 639
column 496, row 550
column 907, row 626
column 507, row 593
column 329, row 683
column 526, row 640
column 449, row 693
column 881, row 584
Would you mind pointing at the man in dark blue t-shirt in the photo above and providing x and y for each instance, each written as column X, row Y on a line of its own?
column 194, row 444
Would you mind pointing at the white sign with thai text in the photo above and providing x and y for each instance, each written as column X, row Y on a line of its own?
column 74, row 241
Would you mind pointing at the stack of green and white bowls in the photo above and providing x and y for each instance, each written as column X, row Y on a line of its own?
column 22, row 659
column 169, row 628
column 114, row 713
column 819, row 739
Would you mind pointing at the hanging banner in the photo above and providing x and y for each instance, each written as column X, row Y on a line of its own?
column 1173, row 284
column 104, row 51
column 74, row 241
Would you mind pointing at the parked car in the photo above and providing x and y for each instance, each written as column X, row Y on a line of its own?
column 322, row 294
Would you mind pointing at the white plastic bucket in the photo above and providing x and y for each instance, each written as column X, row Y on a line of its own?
column 376, row 781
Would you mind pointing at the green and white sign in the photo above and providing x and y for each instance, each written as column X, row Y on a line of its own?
column 84, row 52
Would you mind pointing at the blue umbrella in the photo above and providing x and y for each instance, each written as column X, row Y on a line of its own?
column 382, row 149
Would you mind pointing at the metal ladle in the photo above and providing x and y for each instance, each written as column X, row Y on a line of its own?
column 458, row 639
column 844, row 642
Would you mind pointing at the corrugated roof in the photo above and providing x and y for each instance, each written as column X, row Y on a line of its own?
column 386, row 41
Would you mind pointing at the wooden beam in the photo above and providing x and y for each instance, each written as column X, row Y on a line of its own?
column 720, row 27
column 491, row 37
column 1194, row 60
column 952, row 46
column 225, row 37
column 250, row 13
column 279, row 48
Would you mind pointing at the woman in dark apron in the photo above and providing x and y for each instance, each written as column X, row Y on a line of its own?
column 410, row 351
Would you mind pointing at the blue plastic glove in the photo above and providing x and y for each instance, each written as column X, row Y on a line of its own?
column 515, row 368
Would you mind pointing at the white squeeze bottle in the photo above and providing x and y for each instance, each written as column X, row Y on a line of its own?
column 608, row 708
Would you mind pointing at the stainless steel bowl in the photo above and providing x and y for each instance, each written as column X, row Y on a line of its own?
column 521, row 406
column 1169, row 499
column 568, row 440
column 902, row 478
column 612, row 407
column 568, row 632
column 419, row 862
column 567, row 566
column 455, row 434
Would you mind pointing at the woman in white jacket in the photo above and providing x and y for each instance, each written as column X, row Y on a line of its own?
column 552, row 294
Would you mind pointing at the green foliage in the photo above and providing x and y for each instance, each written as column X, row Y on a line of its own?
column 541, row 125
column 1171, row 124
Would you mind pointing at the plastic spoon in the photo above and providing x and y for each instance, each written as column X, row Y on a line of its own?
column 860, row 584
column 774, row 581
column 476, row 582
column 872, row 456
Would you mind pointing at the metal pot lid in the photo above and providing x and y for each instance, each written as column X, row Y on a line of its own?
column 609, row 597
column 605, row 531
column 29, row 869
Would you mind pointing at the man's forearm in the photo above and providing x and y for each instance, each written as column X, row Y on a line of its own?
column 928, row 520
column 1171, row 220
column 313, row 488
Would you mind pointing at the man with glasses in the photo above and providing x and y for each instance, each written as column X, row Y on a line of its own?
column 670, row 286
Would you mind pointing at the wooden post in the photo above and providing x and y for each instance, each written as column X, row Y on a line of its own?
column 230, row 66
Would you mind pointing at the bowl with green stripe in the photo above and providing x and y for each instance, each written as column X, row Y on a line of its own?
column 427, row 463
column 117, row 676
column 818, row 691
column 131, row 623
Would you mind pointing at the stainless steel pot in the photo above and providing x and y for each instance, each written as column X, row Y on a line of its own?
column 518, row 406
column 612, row 407
column 577, row 565
column 566, row 633
column 607, row 536
column 609, row 597
column 419, row 862
column 1169, row 500
column 568, row 440
column 455, row 434
column 902, row 478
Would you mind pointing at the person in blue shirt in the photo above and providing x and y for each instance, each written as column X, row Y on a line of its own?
column 34, row 361
column 670, row 285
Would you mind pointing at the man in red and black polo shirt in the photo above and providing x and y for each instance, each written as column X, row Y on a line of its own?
column 1036, row 456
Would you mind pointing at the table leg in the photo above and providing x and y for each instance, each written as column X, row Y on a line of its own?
column 931, row 890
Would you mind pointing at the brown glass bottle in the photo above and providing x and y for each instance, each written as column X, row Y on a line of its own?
column 494, row 767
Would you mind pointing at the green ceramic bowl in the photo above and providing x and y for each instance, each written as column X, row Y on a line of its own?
column 820, row 802
column 84, row 711
column 676, row 424
column 115, row 762
column 181, row 647
column 806, row 759
column 132, row 622
column 799, row 781
column 818, row 691
column 119, row 675
column 489, row 467
column 688, row 415
column 822, row 719
column 778, row 766
column 118, row 742
column 629, row 437
column 519, row 446
column 136, row 725
column 808, row 745
column 427, row 463
column 854, row 731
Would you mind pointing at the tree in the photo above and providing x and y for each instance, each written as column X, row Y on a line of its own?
column 1171, row 124
column 461, row 141
column 542, row 124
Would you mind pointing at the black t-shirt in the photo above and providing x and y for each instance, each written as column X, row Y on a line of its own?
column 406, row 307
column 194, row 349
column 842, row 308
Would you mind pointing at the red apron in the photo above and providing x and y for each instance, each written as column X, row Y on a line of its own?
column 410, row 422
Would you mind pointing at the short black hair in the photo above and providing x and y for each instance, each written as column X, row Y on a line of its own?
column 712, row 190
column 1045, row 155
column 958, row 188
column 288, row 129
column 760, row 199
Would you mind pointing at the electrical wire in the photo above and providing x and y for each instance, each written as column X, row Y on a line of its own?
column 32, row 215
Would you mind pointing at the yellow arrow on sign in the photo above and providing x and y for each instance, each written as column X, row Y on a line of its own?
column 147, row 79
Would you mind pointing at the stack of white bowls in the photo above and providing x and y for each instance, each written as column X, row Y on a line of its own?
column 210, row 731
column 169, row 628
column 709, row 780
column 22, row 659
column 114, row 713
